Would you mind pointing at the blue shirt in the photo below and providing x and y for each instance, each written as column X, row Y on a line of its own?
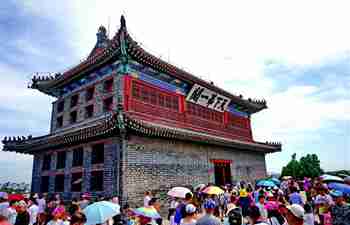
column 295, row 198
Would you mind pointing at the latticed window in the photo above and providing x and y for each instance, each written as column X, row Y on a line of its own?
column 44, row 186
column 77, row 180
column 78, row 157
column 96, row 182
column 97, row 155
column 155, row 96
column 89, row 94
column 238, row 121
column 74, row 100
column 108, row 85
column 205, row 113
column 60, row 106
column 59, row 183
column 46, row 162
column 61, row 160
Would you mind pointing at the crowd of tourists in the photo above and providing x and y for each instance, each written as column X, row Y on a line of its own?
column 309, row 202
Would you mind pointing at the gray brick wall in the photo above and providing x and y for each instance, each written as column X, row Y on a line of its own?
column 99, row 96
column 36, row 172
column 158, row 164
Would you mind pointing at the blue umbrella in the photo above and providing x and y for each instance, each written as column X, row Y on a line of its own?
column 340, row 187
column 100, row 212
column 275, row 180
column 266, row 183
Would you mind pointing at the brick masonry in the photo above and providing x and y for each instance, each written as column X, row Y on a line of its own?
column 110, row 169
column 157, row 165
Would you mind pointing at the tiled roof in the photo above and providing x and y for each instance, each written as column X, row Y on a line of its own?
column 118, row 124
column 122, row 43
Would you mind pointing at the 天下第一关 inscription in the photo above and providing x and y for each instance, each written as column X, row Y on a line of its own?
column 205, row 97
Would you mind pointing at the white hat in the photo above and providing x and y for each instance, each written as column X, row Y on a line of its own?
column 190, row 208
column 296, row 210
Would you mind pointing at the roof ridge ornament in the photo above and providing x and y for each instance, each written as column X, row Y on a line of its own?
column 122, row 22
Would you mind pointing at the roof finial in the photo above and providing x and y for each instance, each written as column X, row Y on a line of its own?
column 122, row 22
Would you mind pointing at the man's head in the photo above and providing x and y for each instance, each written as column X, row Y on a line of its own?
column 261, row 199
column 21, row 206
column 188, row 196
column 338, row 197
column 295, row 214
column 78, row 218
column 155, row 203
column 209, row 206
column 253, row 214
column 147, row 193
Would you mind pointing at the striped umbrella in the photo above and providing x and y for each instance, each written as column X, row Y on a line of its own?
column 148, row 212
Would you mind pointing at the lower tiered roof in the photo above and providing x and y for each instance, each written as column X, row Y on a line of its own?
column 120, row 124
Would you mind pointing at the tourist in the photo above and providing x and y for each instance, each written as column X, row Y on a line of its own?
column 180, row 211
column 78, row 218
column 340, row 211
column 244, row 199
column 146, row 199
column 41, row 219
column 12, row 213
column 262, row 208
column 322, row 202
column 33, row 210
column 4, row 204
column 155, row 204
column 309, row 218
column 254, row 216
column 41, row 203
column 190, row 218
column 3, row 220
column 233, row 215
column 295, row 214
column 208, row 218
column 172, row 208
column 23, row 217
column 85, row 201
column 59, row 217
column 295, row 197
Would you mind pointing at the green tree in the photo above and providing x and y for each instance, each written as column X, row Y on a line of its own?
column 310, row 166
column 292, row 168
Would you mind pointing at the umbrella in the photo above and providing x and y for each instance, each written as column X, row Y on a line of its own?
column 15, row 197
column 330, row 178
column 340, row 187
column 213, row 190
column 266, row 183
column 347, row 180
column 199, row 187
column 100, row 212
column 275, row 180
column 3, row 194
column 179, row 192
column 148, row 212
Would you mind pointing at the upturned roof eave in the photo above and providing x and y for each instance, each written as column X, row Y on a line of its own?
column 142, row 56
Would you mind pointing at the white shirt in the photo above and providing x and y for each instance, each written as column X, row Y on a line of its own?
column 58, row 222
column 11, row 215
column 309, row 219
column 3, row 208
column 33, row 211
column 146, row 201
column 41, row 204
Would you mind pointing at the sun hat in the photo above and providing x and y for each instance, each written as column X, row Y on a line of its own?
column 190, row 208
column 336, row 194
column 296, row 210
column 209, row 204
column 230, row 207
column 22, row 204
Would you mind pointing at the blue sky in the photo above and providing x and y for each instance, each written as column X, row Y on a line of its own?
column 291, row 54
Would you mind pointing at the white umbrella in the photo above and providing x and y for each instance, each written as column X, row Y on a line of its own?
column 329, row 178
column 179, row 192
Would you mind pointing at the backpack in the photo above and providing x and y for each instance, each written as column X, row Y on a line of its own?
column 180, row 212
